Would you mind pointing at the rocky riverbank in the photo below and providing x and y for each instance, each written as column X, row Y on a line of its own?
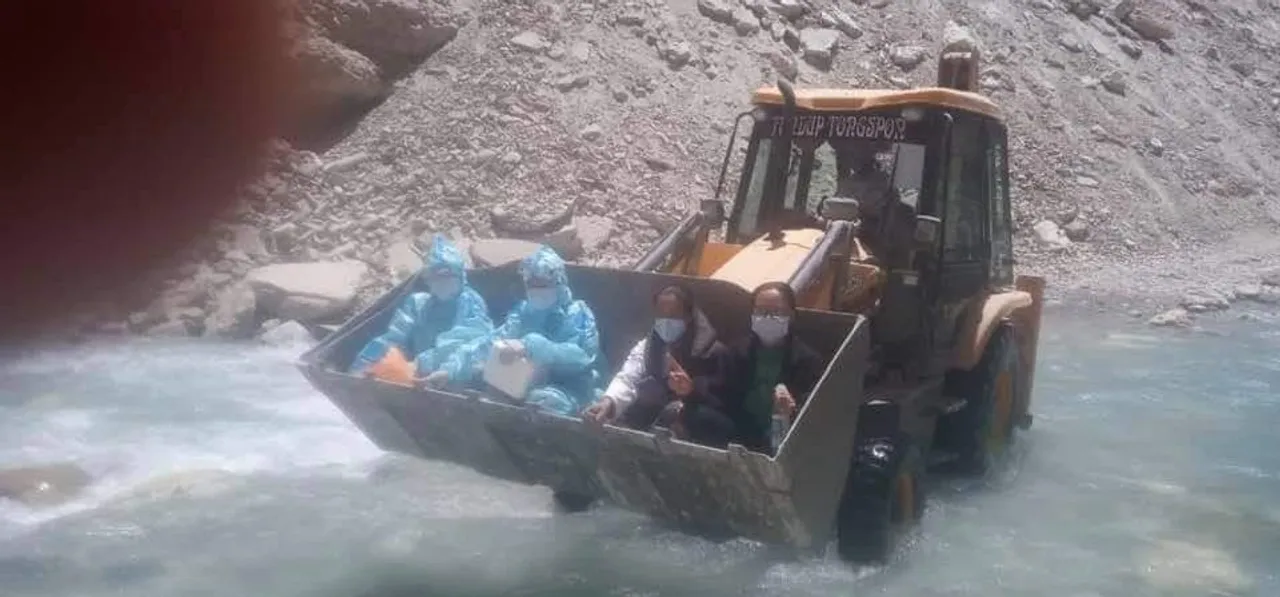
column 1145, row 141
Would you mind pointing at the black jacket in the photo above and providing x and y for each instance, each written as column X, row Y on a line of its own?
column 700, row 354
column 801, row 369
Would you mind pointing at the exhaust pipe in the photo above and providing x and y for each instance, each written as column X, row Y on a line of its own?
column 782, row 154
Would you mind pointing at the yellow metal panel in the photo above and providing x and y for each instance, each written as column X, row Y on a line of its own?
column 762, row 261
column 715, row 255
column 837, row 100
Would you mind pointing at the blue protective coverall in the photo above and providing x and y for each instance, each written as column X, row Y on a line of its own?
column 561, row 340
column 430, row 329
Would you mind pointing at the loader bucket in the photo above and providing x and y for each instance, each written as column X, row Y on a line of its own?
column 790, row 499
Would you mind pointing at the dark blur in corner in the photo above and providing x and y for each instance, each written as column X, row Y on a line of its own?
column 127, row 126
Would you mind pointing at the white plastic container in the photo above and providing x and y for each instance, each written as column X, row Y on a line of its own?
column 513, row 378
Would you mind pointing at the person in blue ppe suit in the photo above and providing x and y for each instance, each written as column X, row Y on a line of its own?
column 554, row 331
column 429, row 327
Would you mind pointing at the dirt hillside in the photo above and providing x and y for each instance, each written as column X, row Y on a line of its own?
column 1145, row 136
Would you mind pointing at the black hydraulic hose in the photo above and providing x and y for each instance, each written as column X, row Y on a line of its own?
column 780, row 162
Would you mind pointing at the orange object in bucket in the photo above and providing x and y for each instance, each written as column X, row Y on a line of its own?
column 394, row 368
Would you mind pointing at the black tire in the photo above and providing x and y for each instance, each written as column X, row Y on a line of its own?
column 980, row 432
column 883, row 496
column 571, row 503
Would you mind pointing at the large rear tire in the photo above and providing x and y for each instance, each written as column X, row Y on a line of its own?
column 883, row 496
column 980, row 433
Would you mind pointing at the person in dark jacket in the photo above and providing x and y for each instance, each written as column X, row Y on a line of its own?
column 773, row 371
column 672, row 378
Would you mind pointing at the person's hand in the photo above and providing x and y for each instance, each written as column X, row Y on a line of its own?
column 783, row 403
column 509, row 351
column 601, row 411
column 680, row 383
column 677, row 379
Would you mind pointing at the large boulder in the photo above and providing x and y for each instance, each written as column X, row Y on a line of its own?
column 308, row 292
column 333, row 81
column 43, row 485
column 395, row 34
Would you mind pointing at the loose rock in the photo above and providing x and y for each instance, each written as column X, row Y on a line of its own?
column 1172, row 318
column 308, row 292
column 819, row 46
column 289, row 333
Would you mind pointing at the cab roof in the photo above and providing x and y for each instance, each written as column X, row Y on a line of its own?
column 842, row 100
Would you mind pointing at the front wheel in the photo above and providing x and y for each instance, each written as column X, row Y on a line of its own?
column 981, row 431
column 883, row 496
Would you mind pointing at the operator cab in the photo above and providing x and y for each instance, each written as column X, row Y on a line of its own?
column 917, row 179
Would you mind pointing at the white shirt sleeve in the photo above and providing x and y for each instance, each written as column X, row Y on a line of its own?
column 623, row 387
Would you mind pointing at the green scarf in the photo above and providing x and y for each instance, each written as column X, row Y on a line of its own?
column 768, row 371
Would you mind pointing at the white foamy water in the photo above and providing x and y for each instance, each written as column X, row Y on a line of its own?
column 1152, row 469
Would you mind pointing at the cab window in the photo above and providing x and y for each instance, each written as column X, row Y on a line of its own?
column 965, row 228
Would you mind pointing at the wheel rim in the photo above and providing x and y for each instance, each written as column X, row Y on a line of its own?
column 1002, row 410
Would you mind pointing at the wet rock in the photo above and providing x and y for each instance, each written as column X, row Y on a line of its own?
column 289, row 333
column 198, row 483
column 308, row 292
column 1270, row 276
column 1248, row 292
column 43, row 485
column 819, row 46
column 1172, row 318
column 1050, row 235
column 234, row 313
column 1199, row 301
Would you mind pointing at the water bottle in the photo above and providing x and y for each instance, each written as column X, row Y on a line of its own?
column 780, row 424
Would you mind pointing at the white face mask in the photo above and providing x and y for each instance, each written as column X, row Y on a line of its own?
column 770, row 330
column 444, row 289
column 668, row 329
column 541, row 298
